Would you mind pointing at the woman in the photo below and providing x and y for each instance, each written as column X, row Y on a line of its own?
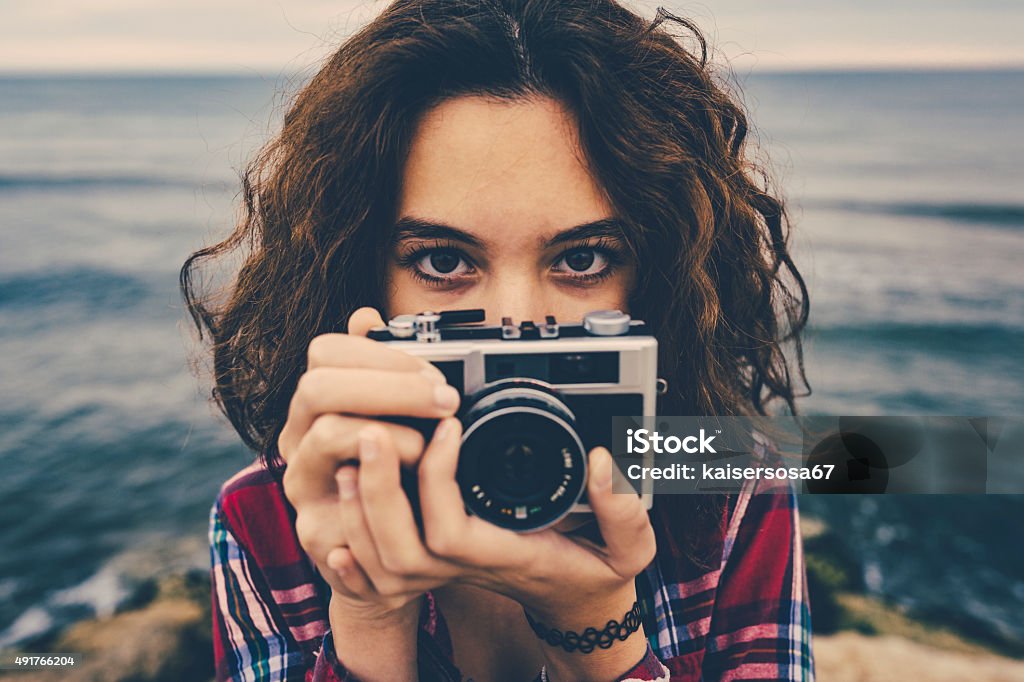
column 527, row 158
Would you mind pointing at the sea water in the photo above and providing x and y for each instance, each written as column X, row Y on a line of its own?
column 905, row 191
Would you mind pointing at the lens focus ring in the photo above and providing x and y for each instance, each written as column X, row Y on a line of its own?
column 522, row 464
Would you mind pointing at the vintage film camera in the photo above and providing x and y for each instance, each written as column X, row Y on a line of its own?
column 536, row 399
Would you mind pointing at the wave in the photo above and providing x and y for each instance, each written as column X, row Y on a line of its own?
column 87, row 288
column 972, row 339
column 112, row 581
column 997, row 214
column 44, row 182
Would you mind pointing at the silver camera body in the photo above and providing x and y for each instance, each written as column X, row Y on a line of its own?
column 536, row 398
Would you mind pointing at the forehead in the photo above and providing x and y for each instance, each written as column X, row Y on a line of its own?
column 487, row 165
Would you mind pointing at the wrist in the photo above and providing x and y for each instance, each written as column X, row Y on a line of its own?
column 373, row 643
column 346, row 614
column 592, row 637
column 579, row 611
column 592, row 661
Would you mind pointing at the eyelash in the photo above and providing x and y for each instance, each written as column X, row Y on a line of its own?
column 605, row 247
column 410, row 260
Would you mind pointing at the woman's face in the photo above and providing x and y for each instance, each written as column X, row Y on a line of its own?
column 498, row 211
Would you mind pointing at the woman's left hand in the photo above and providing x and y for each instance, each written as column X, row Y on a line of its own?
column 552, row 574
column 565, row 581
column 548, row 572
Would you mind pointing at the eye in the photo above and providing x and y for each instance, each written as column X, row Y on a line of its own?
column 583, row 262
column 441, row 264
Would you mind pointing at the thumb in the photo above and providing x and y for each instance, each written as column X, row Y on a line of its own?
column 363, row 320
column 622, row 518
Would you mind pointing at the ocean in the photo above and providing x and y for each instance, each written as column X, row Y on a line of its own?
column 907, row 194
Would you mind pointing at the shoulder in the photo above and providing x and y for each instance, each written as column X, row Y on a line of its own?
column 250, row 495
column 254, row 475
column 270, row 604
column 765, row 511
column 699, row 534
column 763, row 519
column 251, row 505
column 767, row 504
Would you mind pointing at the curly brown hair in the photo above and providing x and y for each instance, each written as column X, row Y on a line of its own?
column 662, row 136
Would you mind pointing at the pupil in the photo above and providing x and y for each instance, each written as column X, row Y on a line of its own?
column 444, row 261
column 580, row 260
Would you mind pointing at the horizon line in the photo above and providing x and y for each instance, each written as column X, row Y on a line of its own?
column 220, row 72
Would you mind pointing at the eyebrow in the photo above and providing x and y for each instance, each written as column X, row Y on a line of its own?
column 416, row 228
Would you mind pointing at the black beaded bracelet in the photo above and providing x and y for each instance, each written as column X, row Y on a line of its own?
column 591, row 637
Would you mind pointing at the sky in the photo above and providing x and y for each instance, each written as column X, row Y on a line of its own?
column 270, row 38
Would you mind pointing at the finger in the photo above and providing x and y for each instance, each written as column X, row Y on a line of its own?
column 317, row 528
column 302, row 409
column 374, row 392
column 346, row 350
column 365, row 392
column 445, row 521
column 621, row 517
column 360, row 542
column 333, row 439
column 349, row 572
column 386, row 507
column 450, row 532
column 363, row 320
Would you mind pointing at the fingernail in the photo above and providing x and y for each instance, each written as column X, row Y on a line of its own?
column 338, row 566
column 368, row 445
column 606, row 473
column 346, row 485
column 446, row 397
column 434, row 374
column 443, row 430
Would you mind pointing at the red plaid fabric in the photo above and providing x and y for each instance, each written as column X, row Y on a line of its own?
column 745, row 618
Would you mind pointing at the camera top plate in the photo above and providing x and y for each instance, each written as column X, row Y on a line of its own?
column 464, row 325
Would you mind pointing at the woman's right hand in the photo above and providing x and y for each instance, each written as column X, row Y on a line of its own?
column 349, row 381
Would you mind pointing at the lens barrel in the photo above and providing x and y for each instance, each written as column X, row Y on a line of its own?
column 522, row 464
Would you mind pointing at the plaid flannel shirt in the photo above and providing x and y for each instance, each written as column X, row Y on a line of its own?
column 747, row 618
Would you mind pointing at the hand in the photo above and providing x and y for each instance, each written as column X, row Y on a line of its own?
column 550, row 573
column 378, row 560
column 567, row 582
column 385, row 562
column 349, row 380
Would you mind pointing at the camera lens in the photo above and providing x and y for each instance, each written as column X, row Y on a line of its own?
column 515, row 472
column 522, row 465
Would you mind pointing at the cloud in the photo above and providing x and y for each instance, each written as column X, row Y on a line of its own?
column 271, row 37
column 118, row 35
